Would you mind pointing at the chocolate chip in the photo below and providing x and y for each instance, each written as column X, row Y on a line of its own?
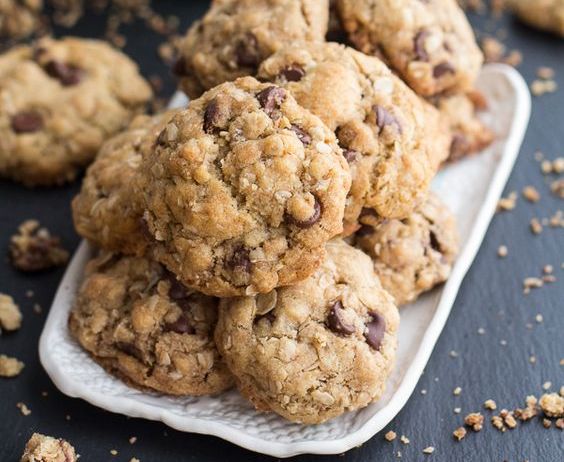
column 144, row 228
column 247, row 51
column 211, row 116
column 365, row 230
column 336, row 321
column 180, row 326
column 350, row 155
column 270, row 317
column 385, row 118
column 240, row 260
column 368, row 212
column 311, row 220
column 130, row 349
column 67, row 74
column 179, row 67
column 375, row 330
column 303, row 136
column 443, row 68
column 293, row 73
column 419, row 45
column 271, row 98
column 177, row 290
column 27, row 122
column 434, row 241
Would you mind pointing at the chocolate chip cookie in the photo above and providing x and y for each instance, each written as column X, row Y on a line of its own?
column 543, row 14
column 141, row 324
column 106, row 211
column 19, row 18
column 469, row 134
column 235, row 36
column 392, row 140
column 243, row 190
column 430, row 43
column 61, row 99
column 315, row 350
column 411, row 255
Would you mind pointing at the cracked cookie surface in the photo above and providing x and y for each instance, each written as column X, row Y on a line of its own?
column 243, row 190
column 411, row 255
column 139, row 323
column 315, row 350
column 19, row 18
column 235, row 36
column 60, row 100
column 393, row 141
column 546, row 15
column 107, row 211
column 430, row 43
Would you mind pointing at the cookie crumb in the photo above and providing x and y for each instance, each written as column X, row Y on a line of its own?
column 507, row 203
column 532, row 283
column 133, row 440
column 113, row 452
column 532, row 359
column 502, row 251
column 404, row 439
column 429, row 450
column 475, row 421
column 10, row 314
column 490, row 404
column 10, row 367
column 459, row 433
column 33, row 248
column 481, row 331
column 29, row 293
column 390, row 436
column 552, row 404
column 541, row 87
column 558, row 165
column 23, row 409
column 546, row 167
column 545, row 72
column 546, row 385
column 457, row 391
column 560, row 424
column 536, row 226
column 457, row 410
column 453, row 354
column 497, row 422
column 45, row 448
column 557, row 188
column 134, row 459
column 531, row 194
column 546, row 423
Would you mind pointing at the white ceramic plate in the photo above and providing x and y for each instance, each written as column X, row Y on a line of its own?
column 471, row 188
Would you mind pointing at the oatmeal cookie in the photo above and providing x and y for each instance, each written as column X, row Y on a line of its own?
column 243, row 190
column 546, row 15
column 19, row 18
column 411, row 255
column 235, row 36
column 315, row 350
column 59, row 101
column 106, row 211
column 41, row 448
column 430, row 43
column 469, row 134
column 141, row 324
column 393, row 141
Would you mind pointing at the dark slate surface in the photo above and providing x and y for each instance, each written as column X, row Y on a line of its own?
column 490, row 298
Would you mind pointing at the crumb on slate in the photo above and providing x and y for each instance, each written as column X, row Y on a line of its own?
column 23, row 409
column 459, row 433
column 10, row 314
column 475, row 421
column 531, row 194
column 41, row 448
column 10, row 367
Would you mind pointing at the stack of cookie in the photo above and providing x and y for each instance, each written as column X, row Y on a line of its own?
column 265, row 235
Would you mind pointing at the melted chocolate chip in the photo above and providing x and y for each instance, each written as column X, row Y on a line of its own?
column 443, row 68
column 385, row 118
column 247, row 51
column 368, row 212
column 211, row 116
column 130, row 349
column 293, row 73
column 317, row 210
column 303, row 136
column 375, row 330
column 240, row 260
column 27, row 122
column 179, row 67
column 271, row 98
column 434, row 241
column 350, row 155
column 67, row 74
column 177, row 290
column 419, row 45
column 336, row 320
column 365, row 230
column 180, row 326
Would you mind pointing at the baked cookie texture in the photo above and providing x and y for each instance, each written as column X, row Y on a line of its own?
column 141, row 324
column 59, row 101
column 243, row 190
column 546, row 15
column 412, row 255
column 235, row 36
column 107, row 211
column 19, row 18
column 42, row 448
column 469, row 134
column 430, row 43
column 315, row 350
column 392, row 140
